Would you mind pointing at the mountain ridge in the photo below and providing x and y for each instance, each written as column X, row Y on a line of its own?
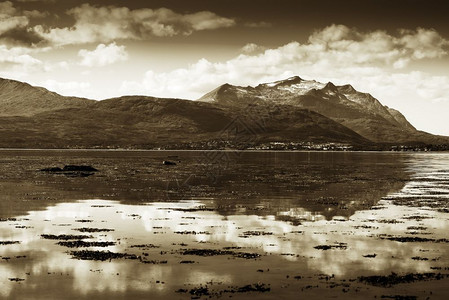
column 294, row 111
column 344, row 104
column 22, row 99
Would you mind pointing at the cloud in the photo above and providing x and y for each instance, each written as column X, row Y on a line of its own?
column 378, row 47
column 67, row 88
column 36, row 14
column 374, row 62
column 9, row 18
column 103, row 55
column 252, row 48
column 7, row 8
column 17, row 62
column 336, row 53
column 106, row 24
column 424, row 43
column 15, row 25
column 17, row 56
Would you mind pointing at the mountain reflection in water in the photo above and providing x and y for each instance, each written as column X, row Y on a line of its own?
column 330, row 184
column 337, row 229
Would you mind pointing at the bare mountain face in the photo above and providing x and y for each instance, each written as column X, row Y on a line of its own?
column 358, row 111
column 293, row 110
column 21, row 99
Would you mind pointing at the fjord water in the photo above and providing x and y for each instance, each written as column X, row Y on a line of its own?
column 305, row 224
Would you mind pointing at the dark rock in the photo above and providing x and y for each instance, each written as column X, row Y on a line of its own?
column 258, row 287
column 74, row 168
column 407, row 239
column 214, row 252
column 341, row 246
column 83, row 244
column 393, row 278
column 370, row 255
column 398, row 297
column 9, row 242
column 100, row 255
column 85, row 229
column 154, row 262
column 168, row 163
column 145, row 246
column 64, row 237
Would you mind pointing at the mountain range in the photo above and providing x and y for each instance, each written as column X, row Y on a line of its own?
column 291, row 111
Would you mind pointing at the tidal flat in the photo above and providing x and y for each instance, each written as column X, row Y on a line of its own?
column 220, row 224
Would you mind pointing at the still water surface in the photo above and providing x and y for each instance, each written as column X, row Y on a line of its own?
column 279, row 220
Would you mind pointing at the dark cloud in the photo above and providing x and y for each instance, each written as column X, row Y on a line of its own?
column 263, row 21
column 15, row 25
column 26, row 25
column 22, row 37
column 108, row 23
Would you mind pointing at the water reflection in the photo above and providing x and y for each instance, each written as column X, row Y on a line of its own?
column 170, row 225
column 291, row 235
column 262, row 183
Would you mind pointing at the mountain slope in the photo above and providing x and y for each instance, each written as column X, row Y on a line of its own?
column 358, row 111
column 289, row 111
column 21, row 99
column 145, row 122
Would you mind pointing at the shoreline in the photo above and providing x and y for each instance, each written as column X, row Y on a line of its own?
column 212, row 150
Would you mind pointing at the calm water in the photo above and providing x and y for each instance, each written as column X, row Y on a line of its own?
column 284, row 220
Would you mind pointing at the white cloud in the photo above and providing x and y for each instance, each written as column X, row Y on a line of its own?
column 9, row 18
column 252, row 48
column 335, row 53
column 106, row 24
column 17, row 56
column 67, row 88
column 103, row 55
column 423, row 43
column 372, row 62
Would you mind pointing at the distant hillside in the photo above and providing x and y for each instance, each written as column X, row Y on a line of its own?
column 21, row 99
column 293, row 111
column 358, row 111
column 144, row 122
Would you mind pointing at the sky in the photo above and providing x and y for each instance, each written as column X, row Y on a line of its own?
column 398, row 51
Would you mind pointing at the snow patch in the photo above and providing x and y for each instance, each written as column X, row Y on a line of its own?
column 303, row 87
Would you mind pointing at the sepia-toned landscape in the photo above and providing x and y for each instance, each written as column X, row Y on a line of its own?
column 228, row 149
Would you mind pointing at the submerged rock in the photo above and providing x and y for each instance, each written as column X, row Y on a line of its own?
column 65, row 237
column 100, row 255
column 83, row 244
column 342, row 246
column 85, row 229
column 201, row 291
column 393, row 278
column 216, row 252
column 9, row 242
column 72, row 170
